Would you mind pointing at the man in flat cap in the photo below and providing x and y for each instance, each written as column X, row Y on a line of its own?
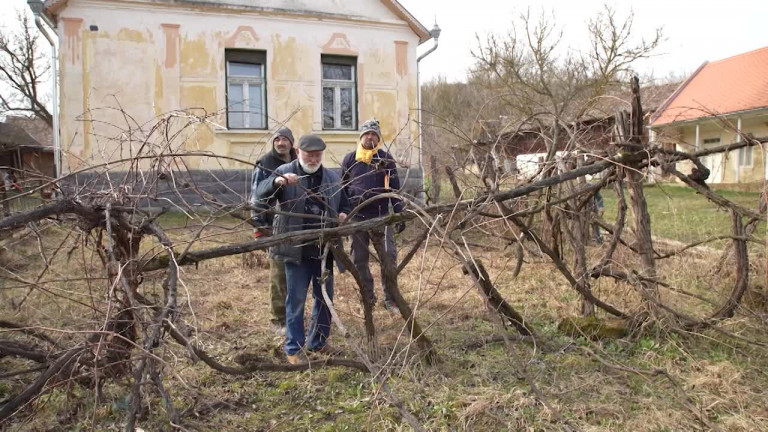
column 282, row 153
column 369, row 172
column 310, row 197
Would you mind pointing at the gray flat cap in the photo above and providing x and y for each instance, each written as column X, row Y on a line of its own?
column 311, row 143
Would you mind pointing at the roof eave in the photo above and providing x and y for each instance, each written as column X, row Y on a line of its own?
column 710, row 117
column 53, row 7
column 40, row 147
column 413, row 23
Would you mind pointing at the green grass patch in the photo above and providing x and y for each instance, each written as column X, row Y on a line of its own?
column 680, row 213
column 178, row 219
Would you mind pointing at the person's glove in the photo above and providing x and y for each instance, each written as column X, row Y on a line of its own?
column 261, row 231
column 399, row 227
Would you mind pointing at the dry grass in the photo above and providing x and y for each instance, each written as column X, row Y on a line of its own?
column 469, row 389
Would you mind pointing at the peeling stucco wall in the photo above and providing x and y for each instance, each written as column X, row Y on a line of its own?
column 150, row 59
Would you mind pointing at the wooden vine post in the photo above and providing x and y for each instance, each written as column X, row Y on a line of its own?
column 630, row 131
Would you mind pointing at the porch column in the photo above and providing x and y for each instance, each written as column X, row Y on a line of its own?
column 651, row 169
column 696, row 146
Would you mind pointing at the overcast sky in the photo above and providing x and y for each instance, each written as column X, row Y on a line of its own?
column 694, row 30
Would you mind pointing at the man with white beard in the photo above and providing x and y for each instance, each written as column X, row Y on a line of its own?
column 310, row 197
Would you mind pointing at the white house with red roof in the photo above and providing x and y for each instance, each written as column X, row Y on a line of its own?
column 709, row 109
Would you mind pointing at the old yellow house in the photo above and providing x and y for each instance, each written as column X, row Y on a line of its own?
column 244, row 67
column 719, row 100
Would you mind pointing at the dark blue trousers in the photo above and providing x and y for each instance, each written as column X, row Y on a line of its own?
column 298, row 278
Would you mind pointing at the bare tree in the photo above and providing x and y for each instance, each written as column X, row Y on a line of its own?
column 549, row 88
column 24, row 67
column 539, row 82
column 550, row 91
column 527, row 81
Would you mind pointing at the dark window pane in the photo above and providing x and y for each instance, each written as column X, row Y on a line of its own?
column 244, row 69
column 347, row 105
column 337, row 72
column 328, row 108
column 235, row 106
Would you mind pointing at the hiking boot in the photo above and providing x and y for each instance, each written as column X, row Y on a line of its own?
column 328, row 350
column 391, row 306
column 298, row 358
column 277, row 328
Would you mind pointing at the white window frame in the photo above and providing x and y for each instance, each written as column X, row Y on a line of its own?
column 337, row 85
column 246, row 81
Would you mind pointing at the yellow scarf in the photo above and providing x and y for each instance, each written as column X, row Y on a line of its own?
column 365, row 155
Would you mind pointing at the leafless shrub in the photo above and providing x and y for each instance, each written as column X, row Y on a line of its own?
column 118, row 326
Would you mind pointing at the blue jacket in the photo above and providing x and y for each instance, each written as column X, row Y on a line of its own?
column 363, row 181
column 599, row 205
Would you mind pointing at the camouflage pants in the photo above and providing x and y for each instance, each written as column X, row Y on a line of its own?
column 277, row 291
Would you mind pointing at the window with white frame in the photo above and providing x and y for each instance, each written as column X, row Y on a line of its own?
column 246, row 89
column 745, row 156
column 339, row 84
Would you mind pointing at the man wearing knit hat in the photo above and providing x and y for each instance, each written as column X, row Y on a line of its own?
column 282, row 152
column 368, row 172
column 310, row 197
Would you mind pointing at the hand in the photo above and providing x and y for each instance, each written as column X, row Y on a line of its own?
column 399, row 227
column 262, row 231
column 342, row 217
column 287, row 179
column 600, row 212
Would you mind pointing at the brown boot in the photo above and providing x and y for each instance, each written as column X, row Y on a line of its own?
column 298, row 358
column 328, row 350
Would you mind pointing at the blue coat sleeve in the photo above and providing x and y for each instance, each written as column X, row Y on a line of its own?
column 258, row 209
column 266, row 192
column 599, row 200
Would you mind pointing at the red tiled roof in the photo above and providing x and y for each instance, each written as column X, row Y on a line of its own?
column 725, row 86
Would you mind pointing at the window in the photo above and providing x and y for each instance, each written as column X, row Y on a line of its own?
column 339, row 92
column 711, row 141
column 246, row 93
column 745, row 156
